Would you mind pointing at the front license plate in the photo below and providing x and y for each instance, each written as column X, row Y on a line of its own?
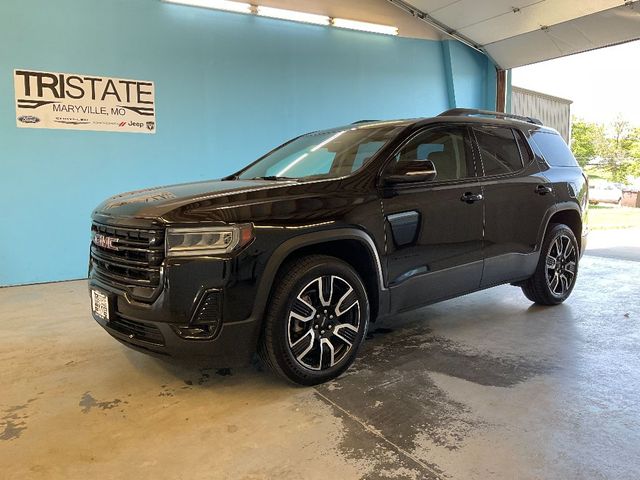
column 100, row 304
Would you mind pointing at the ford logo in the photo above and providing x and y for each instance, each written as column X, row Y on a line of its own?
column 28, row 119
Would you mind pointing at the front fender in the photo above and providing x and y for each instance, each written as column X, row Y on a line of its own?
column 305, row 240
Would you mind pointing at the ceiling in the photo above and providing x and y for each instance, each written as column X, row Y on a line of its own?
column 520, row 32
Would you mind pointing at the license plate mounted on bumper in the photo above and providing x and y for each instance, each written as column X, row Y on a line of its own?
column 100, row 304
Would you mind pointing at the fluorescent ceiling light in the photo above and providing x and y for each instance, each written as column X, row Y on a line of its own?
column 243, row 7
column 293, row 15
column 364, row 26
column 228, row 5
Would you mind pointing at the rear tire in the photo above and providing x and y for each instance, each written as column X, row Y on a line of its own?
column 557, row 269
column 316, row 320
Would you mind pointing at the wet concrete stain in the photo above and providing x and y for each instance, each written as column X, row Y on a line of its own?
column 378, row 331
column 389, row 389
column 13, row 421
column 87, row 402
column 11, row 429
column 166, row 393
column 205, row 376
column 383, row 459
column 17, row 408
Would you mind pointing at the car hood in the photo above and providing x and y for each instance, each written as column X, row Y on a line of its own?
column 156, row 203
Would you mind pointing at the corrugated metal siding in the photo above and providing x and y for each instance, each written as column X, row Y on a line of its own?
column 554, row 112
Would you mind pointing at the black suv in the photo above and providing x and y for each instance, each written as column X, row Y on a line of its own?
column 294, row 255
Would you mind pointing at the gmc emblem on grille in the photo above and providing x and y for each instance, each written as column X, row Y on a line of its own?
column 105, row 242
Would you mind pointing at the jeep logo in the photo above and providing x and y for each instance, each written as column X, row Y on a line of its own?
column 105, row 242
column 131, row 124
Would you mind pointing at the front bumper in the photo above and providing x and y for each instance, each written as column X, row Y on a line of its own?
column 151, row 327
column 227, row 349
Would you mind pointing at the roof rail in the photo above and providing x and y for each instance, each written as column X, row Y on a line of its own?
column 458, row 112
column 364, row 121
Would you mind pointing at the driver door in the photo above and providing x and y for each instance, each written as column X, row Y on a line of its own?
column 434, row 226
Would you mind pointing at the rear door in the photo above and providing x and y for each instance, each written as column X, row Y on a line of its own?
column 434, row 236
column 516, row 199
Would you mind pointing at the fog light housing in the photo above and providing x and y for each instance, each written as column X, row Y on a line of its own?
column 196, row 332
column 207, row 319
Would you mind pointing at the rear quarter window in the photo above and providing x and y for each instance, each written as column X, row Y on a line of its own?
column 554, row 150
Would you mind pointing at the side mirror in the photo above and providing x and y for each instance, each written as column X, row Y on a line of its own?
column 414, row 171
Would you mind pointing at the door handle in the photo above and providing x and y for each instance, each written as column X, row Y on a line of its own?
column 543, row 189
column 471, row 197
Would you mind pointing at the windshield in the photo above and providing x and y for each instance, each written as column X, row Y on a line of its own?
column 323, row 155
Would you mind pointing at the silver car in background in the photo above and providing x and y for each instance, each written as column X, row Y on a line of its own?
column 604, row 192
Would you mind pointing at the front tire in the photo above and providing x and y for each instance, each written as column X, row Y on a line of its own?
column 316, row 320
column 557, row 269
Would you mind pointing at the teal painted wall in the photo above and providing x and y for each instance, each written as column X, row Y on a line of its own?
column 228, row 88
column 470, row 77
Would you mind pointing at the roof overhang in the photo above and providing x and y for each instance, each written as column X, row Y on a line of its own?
column 520, row 32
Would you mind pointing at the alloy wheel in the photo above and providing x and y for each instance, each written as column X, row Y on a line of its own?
column 561, row 265
column 323, row 322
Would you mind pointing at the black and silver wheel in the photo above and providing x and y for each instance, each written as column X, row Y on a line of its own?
column 557, row 268
column 316, row 320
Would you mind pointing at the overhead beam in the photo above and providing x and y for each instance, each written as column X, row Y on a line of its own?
column 441, row 27
column 425, row 17
column 598, row 30
column 575, row 28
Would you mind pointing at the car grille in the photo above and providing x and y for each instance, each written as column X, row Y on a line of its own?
column 132, row 261
column 137, row 330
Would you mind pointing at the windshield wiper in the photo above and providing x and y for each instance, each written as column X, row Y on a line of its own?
column 273, row 177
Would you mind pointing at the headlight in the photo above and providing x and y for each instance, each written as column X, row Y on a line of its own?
column 183, row 242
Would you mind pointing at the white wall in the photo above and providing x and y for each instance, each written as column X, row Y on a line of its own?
column 554, row 112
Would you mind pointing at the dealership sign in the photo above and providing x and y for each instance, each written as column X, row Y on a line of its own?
column 83, row 102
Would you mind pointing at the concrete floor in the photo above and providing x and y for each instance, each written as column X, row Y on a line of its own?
column 623, row 244
column 485, row 386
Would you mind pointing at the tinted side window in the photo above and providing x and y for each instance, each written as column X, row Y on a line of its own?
column 525, row 148
column 448, row 148
column 554, row 150
column 499, row 150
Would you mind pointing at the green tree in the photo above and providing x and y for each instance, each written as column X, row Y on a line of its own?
column 587, row 140
column 634, row 151
column 622, row 151
column 616, row 147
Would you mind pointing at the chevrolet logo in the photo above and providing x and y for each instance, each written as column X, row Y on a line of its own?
column 105, row 242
